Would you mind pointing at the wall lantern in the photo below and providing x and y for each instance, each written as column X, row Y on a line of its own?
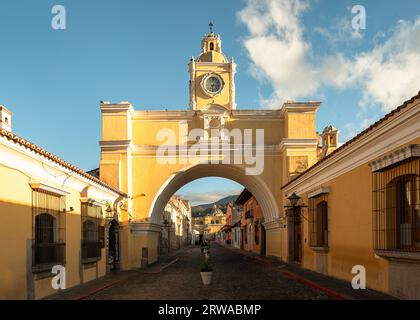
column 294, row 199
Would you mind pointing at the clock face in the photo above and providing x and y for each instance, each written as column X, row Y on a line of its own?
column 213, row 84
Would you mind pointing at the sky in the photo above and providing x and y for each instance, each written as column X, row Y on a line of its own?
column 138, row 51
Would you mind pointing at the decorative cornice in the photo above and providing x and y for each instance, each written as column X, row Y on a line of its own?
column 49, row 189
column 411, row 151
column 164, row 115
column 91, row 201
column 298, row 143
column 151, row 150
column 142, row 227
column 300, row 107
column 109, row 145
column 107, row 107
column 256, row 113
column 318, row 191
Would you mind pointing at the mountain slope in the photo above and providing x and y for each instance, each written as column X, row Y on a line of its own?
column 204, row 209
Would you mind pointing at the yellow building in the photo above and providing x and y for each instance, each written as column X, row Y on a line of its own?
column 52, row 213
column 214, row 222
column 363, row 207
column 151, row 154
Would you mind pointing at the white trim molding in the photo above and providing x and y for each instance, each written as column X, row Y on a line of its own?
column 111, row 145
column 92, row 202
column 144, row 227
column 298, row 143
column 318, row 191
column 49, row 189
column 411, row 151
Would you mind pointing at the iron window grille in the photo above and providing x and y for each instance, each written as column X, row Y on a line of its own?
column 396, row 207
column 48, row 230
column 318, row 221
column 92, row 232
column 249, row 214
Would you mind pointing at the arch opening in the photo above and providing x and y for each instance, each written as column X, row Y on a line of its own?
column 235, row 173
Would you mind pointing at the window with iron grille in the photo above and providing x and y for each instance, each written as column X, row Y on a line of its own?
column 318, row 221
column 250, row 210
column 48, row 221
column 92, row 232
column 396, row 207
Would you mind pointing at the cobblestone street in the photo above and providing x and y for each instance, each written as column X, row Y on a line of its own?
column 236, row 276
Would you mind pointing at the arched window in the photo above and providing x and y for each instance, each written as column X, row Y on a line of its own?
column 322, row 224
column 211, row 46
column 93, row 232
column 44, row 228
column 403, row 212
column 45, row 238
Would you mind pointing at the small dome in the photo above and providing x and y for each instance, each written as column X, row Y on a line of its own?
column 329, row 129
column 212, row 56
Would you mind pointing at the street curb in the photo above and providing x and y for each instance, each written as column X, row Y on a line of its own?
column 161, row 268
column 329, row 292
column 123, row 279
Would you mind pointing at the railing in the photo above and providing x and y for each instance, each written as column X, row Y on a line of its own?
column 48, row 253
column 91, row 250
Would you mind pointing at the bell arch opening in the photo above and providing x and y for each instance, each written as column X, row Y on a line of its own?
column 179, row 179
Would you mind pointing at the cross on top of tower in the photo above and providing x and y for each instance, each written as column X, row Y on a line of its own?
column 211, row 25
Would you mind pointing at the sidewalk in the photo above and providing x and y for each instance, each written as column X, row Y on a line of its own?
column 88, row 289
column 334, row 288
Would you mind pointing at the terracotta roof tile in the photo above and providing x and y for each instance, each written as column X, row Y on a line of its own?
column 41, row 151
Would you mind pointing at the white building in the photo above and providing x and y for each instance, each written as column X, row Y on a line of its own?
column 176, row 221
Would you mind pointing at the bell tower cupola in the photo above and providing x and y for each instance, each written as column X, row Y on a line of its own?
column 212, row 84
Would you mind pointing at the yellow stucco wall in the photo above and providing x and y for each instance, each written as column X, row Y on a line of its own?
column 350, row 230
column 16, row 231
column 350, row 235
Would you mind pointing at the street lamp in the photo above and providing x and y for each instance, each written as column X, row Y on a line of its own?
column 294, row 199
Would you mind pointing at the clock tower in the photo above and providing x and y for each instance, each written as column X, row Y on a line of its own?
column 212, row 84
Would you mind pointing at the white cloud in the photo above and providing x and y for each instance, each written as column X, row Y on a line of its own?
column 340, row 30
column 387, row 75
